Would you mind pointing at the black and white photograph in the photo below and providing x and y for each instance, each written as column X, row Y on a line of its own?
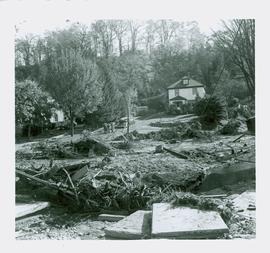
column 134, row 128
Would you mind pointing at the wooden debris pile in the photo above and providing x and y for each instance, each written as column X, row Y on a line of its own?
column 83, row 187
column 114, row 182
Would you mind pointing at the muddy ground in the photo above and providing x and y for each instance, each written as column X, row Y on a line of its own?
column 229, row 167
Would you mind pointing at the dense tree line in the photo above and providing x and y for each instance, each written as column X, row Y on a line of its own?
column 110, row 65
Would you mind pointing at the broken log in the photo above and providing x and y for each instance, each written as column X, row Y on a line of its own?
column 246, row 161
column 177, row 154
column 63, row 188
column 214, row 196
column 73, row 187
column 239, row 137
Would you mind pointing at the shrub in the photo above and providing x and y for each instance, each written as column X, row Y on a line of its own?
column 168, row 134
column 235, row 89
column 211, row 110
column 173, row 110
column 240, row 110
column 187, row 108
column 157, row 104
column 231, row 127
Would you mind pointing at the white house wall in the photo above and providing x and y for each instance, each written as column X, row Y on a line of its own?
column 187, row 93
column 60, row 115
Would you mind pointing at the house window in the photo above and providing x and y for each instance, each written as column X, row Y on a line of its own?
column 194, row 91
column 185, row 81
column 176, row 92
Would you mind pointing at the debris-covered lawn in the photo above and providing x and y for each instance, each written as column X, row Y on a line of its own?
column 116, row 172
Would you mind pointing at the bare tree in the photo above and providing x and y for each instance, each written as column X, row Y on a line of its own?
column 134, row 28
column 24, row 50
column 238, row 43
column 120, row 28
column 166, row 30
column 150, row 35
column 104, row 36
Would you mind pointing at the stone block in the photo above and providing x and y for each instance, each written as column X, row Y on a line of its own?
column 185, row 223
column 134, row 226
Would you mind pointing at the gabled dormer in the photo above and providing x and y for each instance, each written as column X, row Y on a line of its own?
column 185, row 81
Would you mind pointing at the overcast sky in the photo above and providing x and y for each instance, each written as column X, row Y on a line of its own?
column 50, row 15
column 39, row 24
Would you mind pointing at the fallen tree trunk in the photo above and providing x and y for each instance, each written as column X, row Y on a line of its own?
column 63, row 188
column 177, row 154
column 239, row 137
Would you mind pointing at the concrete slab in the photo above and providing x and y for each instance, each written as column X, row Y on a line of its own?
column 244, row 201
column 26, row 209
column 135, row 226
column 185, row 223
column 110, row 217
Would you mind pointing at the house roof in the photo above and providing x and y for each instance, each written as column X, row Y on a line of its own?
column 180, row 84
column 178, row 98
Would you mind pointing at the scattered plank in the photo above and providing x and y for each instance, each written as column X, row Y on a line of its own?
column 110, row 217
column 26, row 209
column 115, row 212
column 19, row 234
column 246, row 161
column 79, row 174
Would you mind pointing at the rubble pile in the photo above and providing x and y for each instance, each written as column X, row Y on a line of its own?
column 129, row 172
column 115, row 183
